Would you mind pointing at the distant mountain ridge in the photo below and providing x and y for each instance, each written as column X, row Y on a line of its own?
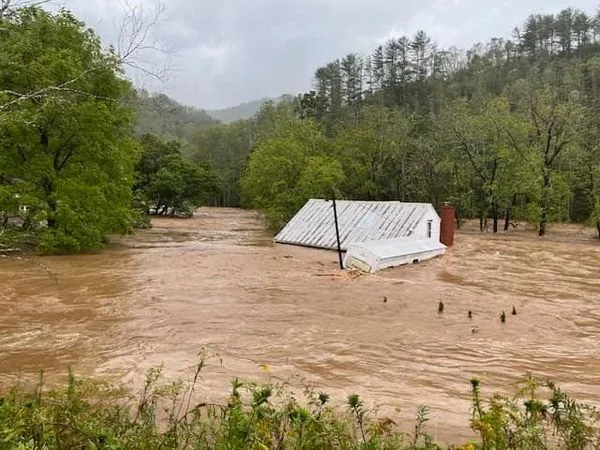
column 243, row 110
column 159, row 114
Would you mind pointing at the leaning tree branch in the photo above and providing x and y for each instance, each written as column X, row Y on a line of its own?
column 44, row 92
column 462, row 141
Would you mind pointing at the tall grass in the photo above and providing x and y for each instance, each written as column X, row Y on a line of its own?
column 91, row 414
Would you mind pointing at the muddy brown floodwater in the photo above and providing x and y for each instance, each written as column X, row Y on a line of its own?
column 217, row 281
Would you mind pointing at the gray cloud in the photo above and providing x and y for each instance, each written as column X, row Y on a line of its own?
column 232, row 51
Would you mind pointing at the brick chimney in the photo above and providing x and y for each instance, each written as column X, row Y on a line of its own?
column 447, row 224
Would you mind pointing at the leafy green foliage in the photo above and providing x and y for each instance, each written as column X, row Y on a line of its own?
column 374, row 153
column 505, row 130
column 289, row 166
column 168, row 184
column 490, row 144
column 65, row 146
column 539, row 416
column 167, row 415
column 225, row 149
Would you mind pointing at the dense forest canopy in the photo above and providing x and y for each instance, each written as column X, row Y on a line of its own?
column 508, row 129
column 165, row 183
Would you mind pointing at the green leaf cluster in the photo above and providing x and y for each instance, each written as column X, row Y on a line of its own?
column 168, row 184
column 66, row 147
column 289, row 165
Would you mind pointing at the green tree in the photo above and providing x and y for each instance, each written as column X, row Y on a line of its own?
column 65, row 145
column 588, row 179
column 491, row 142
column 287, row 168
column 225, row 149
column 595, row 215
column 167, row 183
column 369, row 153
column 555, row 116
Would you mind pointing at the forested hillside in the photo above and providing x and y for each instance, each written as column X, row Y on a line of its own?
column 161, row 115
column 507, row 129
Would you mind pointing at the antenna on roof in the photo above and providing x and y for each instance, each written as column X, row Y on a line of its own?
column 337, row 230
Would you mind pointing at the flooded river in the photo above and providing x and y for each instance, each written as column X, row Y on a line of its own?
column 217, row 281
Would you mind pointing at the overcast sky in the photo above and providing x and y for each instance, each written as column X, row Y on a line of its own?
column 224, row 52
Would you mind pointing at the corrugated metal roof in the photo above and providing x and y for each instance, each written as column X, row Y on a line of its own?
column 359, row 221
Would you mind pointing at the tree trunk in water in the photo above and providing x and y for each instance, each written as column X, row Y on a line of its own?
column 52, row 216
column 495, row 217
column 545, row 202
column 49, row 191
column 48, row 184
column 543, row 221
column 598, row 228
column 507, row 219
column 481, row 222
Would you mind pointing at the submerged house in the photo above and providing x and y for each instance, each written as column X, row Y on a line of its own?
column 374, row 235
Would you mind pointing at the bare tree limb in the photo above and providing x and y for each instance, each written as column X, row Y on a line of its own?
column 134, row 39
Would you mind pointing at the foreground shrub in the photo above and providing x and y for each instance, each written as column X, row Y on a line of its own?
column 89, row 414
column 539, row 416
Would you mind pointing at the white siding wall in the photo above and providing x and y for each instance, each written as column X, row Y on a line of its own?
column 372, row 256
column 420, row 231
